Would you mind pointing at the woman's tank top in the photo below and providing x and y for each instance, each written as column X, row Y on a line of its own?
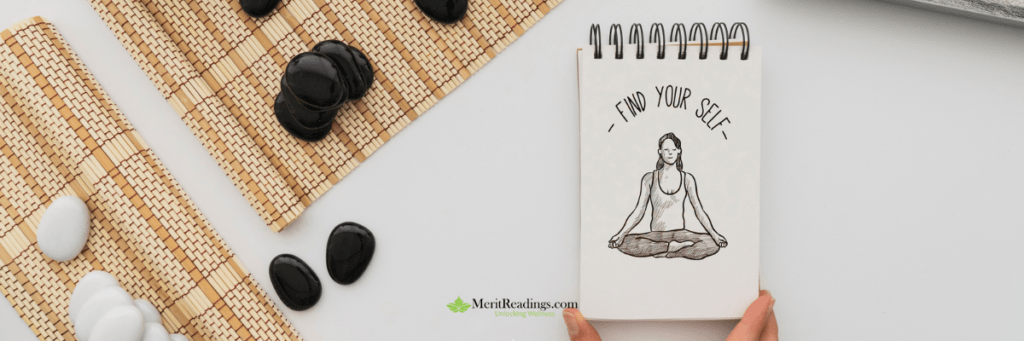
column 667, row 209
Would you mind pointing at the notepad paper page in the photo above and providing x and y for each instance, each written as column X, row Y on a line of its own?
column 670, row 185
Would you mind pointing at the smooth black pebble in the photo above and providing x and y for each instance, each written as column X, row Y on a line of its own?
column 364, row 65
column 349, row 250
column 342, row 56
column 313, row 78
column 316, row 125
column 445, row 11
column 312, row 91
column 295, row 283
column 258, row 8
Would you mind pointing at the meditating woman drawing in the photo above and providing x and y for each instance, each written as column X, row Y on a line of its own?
column 666, row 189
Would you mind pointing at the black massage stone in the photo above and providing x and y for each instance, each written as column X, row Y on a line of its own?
column 445, row 11
column 258, row 8
column 347, row 59
column 288, row 115
column 365, row 67
column 315, row 80
column 349, row 250
column 312, row 91
column 295, row 283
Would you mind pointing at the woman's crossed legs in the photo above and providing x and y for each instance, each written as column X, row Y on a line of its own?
column 669, row 244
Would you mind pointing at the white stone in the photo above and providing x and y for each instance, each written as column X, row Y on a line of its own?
column 98, row 306
column 178, row 337
column 149, row 312
column 87, row 286
column 123, row 323
column 64, row 228
column 154, row 332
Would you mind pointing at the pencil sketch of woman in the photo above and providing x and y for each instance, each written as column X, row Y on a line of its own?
column 666, row 189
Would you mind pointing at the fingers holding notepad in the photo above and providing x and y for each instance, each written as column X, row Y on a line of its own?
column 758, row 322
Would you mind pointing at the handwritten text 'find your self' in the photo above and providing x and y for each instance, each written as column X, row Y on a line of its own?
column 673, row 97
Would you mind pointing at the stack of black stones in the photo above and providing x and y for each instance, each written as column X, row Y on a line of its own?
column 316, row 84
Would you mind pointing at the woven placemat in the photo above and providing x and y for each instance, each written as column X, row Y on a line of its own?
column 61, row 135
column 220, row 70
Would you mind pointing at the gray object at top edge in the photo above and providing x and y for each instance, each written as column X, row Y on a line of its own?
column 1010, row 12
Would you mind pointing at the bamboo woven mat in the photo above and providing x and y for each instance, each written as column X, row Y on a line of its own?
column 220, row 70
column 61, row 135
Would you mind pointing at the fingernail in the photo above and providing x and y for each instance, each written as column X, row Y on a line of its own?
column 570, row 323
column 771, row 303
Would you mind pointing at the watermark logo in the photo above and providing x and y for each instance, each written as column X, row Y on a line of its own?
column 458, row 306
column 505, row 307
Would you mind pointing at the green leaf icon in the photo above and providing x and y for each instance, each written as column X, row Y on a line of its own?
column 458, row 306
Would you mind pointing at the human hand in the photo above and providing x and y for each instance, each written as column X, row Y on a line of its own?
column 758, row 323
column 719, row 240
column 616, row 241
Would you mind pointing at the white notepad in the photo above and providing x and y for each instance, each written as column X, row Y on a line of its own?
column 633, row 113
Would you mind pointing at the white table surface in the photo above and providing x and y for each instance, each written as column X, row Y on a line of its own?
column 892, row 165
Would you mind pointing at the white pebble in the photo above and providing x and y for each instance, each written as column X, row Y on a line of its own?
column 123, row 323
column 87, row 286
column 98, row 306
column 178, row 337
column 64, row 228
column 154, row 332
column 149, row 312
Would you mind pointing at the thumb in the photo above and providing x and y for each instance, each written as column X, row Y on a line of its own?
column 578, row 327
column 754, row 319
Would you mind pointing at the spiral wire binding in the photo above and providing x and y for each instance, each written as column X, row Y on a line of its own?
column 636, row 36
column 658, row 35
column 615, row 38
column 719, row 27
column 677, row 34
column 742, row 27
column 703, row 38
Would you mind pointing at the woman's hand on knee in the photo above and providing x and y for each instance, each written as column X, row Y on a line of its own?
column 616, row 241
column 758, row 323
column 719, row 240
